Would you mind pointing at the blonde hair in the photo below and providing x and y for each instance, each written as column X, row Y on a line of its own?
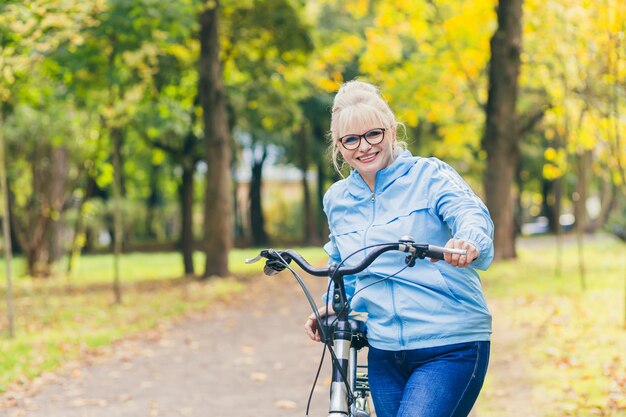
column 359, row 102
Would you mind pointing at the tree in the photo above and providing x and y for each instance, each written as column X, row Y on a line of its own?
column 501, row 138
column 217, row 152
column 571, row 55
column 171, row 129
column 6, row 231
column 267, row 43
column 28, row 34
column 125, row 69
column 257, row 217
column 316, row 114
column 41, row 179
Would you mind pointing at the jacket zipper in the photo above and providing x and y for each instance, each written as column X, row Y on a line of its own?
column 391, row 286
column 373, row 200
column 393, row 298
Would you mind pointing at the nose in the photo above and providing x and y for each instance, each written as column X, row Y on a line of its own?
column 364, row 145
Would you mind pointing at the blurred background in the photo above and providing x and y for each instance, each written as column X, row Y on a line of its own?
column 197, row 129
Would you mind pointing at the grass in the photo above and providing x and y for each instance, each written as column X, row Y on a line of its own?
column 574, row 340
column 66, row 317
column 136, row 267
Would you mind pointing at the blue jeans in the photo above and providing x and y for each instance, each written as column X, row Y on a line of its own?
column 443, row 381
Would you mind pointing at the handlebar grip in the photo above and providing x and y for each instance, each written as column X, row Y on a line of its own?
column 436, row 252
column 433, row 254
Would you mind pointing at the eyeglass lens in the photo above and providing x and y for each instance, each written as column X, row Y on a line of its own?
column 373, row 137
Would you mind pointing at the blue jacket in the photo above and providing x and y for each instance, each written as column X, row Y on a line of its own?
column 430, row 304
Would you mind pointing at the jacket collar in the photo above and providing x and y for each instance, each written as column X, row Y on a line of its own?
column 384, row 178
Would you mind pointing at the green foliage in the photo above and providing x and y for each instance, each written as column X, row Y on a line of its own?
column 263, row 41
column 284, row 217
column 98, row 218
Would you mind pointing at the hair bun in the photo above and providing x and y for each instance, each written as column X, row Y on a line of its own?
column 356, row 86
column 355, row 92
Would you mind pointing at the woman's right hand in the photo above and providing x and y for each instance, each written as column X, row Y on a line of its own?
column 312, row 326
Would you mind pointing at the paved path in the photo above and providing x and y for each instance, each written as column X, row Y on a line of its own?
column 248, row 357
column 245, row 358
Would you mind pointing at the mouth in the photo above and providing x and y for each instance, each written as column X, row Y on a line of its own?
column 368, row 158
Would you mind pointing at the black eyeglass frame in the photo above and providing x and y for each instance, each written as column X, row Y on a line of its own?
column 363, row 136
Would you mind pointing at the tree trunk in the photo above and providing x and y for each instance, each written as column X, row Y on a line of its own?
column 32, row 222
column 518, row 210
column 501, row 138
column 257, row 219
column 238, row 212
column 608, row 199
column 186, row 206
column 58, row 183
column 551, row 191
column 6, row 232
column 322, row 222
column 309, row 219
column 218, row 204
column 116, row 135
column 80, row 236
column 583, row 166
column 153, row 202
column 558, row 206
column 35, row 246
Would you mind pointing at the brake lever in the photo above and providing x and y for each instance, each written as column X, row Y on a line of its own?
column 253, row 260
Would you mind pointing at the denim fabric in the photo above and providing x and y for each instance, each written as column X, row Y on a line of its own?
column 442, row 381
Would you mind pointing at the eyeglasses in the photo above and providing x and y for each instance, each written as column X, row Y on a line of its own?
column 373, row 137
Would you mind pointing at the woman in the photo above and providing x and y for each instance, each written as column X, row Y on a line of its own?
column 428, row 326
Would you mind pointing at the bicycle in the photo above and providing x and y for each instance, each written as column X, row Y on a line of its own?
column 346, row 334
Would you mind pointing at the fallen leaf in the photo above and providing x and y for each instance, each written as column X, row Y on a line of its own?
column 246, row 360
column 285, row 404
column 83, row 402
column 187, row 411
column 248, row 350
column 124, row 398
column 258, row 376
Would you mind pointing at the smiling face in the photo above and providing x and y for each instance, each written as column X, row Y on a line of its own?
column 367, row 159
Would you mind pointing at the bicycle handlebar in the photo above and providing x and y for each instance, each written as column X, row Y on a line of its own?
column 406, row 244
column 338, row 335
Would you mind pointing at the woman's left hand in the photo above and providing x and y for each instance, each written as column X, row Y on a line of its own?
column 460, row 260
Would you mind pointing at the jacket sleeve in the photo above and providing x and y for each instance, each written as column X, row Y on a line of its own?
column 464, row 213
column 334, row 256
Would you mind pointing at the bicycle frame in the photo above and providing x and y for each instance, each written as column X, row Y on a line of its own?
column 342, row 401
column 340, row 336
column 358, row 382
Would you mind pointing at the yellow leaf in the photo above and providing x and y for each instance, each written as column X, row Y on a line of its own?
column 551, row 172
column 410, row 117
column 549, row 154
column 328, row 85
column 268, row 123
column 158, row 156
